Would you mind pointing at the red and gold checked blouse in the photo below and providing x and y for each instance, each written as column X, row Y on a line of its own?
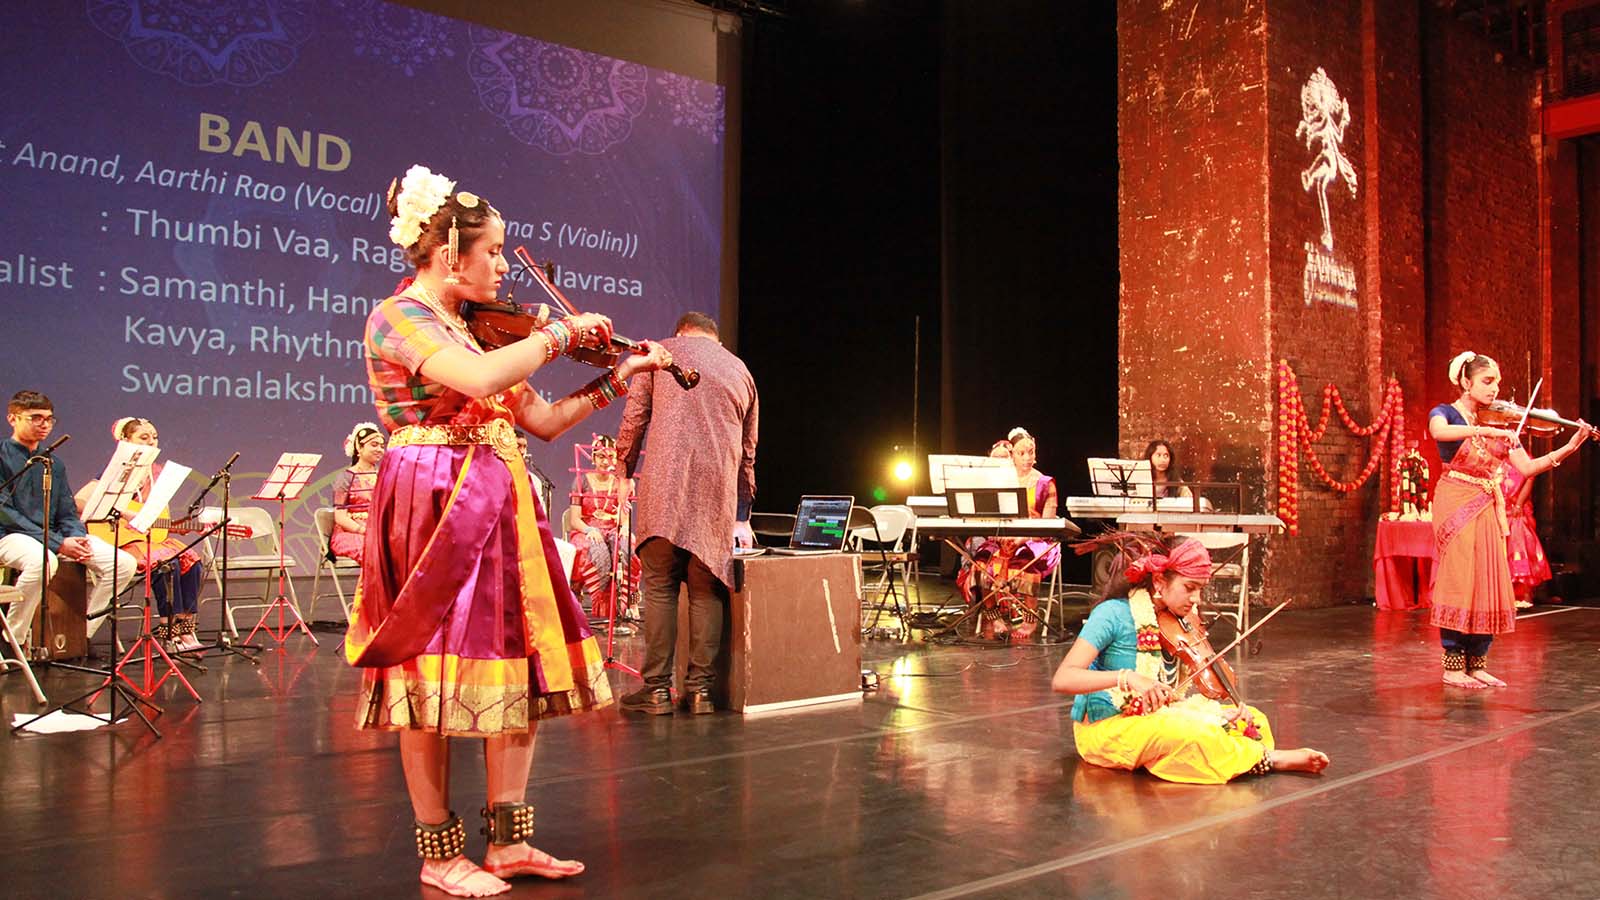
column 401, row 334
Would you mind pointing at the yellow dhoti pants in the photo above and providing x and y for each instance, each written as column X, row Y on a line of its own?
column 1173, row 745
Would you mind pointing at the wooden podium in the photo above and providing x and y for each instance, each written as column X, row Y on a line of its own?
column 791, row 634
column 67, row 596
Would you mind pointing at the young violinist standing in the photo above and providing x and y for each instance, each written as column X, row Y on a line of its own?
column 1128, row 712
column 1473, row 598
column 463, row 623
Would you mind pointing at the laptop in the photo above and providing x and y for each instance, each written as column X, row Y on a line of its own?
column 820, row 523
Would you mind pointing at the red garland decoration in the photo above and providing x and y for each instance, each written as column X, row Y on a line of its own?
column 1295, row 435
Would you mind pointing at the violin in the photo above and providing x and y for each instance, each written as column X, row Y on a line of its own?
column 1185, row 640
column 1539, row 421
column 501, row 323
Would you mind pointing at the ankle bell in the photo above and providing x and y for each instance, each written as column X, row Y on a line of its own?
column 443, row 841
column 508, row 823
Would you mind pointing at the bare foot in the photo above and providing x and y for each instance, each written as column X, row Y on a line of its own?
column 1463, row 680
column 461, row 877
column 1484, row 676
column 1303, row 760
column 512, row 860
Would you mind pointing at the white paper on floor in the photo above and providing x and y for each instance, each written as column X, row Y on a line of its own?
column 61, row 721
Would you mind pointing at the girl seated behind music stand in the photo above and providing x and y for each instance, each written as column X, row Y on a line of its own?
column 1130, row 712
column 176, row 591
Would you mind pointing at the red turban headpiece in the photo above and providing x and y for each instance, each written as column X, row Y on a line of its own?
column 1189, row 560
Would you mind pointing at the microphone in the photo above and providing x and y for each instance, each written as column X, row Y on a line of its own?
column 193, row 507
column 58, row 442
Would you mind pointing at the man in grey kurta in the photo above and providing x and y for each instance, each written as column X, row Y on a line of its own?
column 696, row 484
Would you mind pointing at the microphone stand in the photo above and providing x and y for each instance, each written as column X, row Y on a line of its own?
column 224, row 643
column 44, row 458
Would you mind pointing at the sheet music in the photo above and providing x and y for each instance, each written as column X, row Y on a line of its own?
column 289, row 476
column 128, row 469
column 161, row 493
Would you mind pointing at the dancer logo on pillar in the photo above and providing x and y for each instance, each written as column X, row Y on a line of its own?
column 1324, row 115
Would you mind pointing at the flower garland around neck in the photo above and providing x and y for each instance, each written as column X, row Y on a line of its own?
column 1152, row 664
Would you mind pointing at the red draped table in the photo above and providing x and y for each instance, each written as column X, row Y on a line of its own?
column 1402, row 564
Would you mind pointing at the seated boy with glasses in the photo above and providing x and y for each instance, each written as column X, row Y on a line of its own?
column 32, row 418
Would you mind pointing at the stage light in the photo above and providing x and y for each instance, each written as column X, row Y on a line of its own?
column 903, row 470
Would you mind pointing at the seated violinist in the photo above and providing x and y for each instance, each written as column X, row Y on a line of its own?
column 1131, row 710
column 1008, row 571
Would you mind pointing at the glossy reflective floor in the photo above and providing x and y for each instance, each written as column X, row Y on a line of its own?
column 961, row 783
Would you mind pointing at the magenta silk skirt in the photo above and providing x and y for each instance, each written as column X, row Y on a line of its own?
column 464, row 622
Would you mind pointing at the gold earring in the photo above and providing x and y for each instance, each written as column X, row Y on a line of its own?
column 452, row 253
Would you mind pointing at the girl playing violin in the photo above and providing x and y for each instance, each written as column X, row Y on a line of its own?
column 464, row 625
column 1473, row 598
column 1128, row 712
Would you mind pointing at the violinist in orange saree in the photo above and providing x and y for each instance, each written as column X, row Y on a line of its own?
column 464, row 625
column 1132, row 710
column 1473, row 597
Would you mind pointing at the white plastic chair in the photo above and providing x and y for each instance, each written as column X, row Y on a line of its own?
column 10, row 594
column 328, row 562
column 262, row 529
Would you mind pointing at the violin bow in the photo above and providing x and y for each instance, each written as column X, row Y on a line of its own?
column 1529, row 408
column 539, row 275
column 1178, row 688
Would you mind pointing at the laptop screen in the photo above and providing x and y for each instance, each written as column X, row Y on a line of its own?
column 819, row 523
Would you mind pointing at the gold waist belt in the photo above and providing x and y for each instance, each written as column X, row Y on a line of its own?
column 498, row 435
column 1488, row 485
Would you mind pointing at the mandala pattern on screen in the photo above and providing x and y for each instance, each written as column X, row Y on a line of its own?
column 561, row 100
column 407, row 39
column 205, row 42
column 696, row 105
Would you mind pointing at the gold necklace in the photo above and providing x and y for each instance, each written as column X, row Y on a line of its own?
column 452, row 320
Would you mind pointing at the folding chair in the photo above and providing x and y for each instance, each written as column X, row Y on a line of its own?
column 10, row 594
column 262, row 528
column 330, row 563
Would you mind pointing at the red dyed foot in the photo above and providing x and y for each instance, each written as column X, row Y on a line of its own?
column 461, row 877
column 516, row 860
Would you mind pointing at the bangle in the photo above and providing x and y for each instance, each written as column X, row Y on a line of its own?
column 601, row 391
column 559, row 340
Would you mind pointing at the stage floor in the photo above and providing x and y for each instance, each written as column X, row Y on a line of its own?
column 962, row 783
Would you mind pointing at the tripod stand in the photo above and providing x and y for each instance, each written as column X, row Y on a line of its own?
column 288, row 477
column 110, row 683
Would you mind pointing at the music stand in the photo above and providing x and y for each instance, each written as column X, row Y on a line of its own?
column 1127, row 478
column 126, row 471
column 288, row 479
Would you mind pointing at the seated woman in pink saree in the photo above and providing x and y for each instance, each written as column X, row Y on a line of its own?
column 352, row 492
column 464, row 625
column 1524, row 552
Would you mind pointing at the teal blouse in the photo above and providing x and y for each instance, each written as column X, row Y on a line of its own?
column 1111, row 630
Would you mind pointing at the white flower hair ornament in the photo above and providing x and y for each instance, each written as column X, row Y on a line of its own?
column 118, row 425
column 354, row 436
column 1018, row 433
column 421, row 194
column 1460, row 363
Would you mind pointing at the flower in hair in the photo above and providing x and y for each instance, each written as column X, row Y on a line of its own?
column 355, row 436
column 1459, row 363
column 422, row 193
